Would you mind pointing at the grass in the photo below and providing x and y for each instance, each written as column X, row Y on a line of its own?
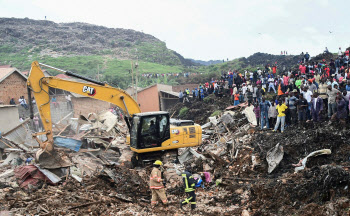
column 116, row 71
column 183, row 111
column 215, row 113
column 156, row 52
column 112, row 70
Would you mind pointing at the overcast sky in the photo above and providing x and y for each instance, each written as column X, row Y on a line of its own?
column 209, row 29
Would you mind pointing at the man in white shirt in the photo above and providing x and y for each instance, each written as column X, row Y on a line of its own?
column 271, row 84
column 259, row 72
column 340, row 52
column 307, row 94
column 244, row 88
column 69, row 101
column 23, row 102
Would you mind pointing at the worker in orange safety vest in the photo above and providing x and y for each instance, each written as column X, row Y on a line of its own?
column 156, row 184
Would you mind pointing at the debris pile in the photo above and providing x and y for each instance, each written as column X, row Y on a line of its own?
column 245, row 170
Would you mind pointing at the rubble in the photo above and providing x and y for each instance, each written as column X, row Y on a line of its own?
column 274, row 157
column 231, row 162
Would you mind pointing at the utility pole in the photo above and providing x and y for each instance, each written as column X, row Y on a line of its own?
column 132, row 79
column 98, row 72
column 137, row 70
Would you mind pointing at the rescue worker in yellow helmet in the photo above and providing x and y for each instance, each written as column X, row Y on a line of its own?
column 189, row 184
column 156, row 184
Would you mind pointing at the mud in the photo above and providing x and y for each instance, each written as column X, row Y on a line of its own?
column 199, row 111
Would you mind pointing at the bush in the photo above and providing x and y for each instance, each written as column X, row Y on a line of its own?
column 183, row 111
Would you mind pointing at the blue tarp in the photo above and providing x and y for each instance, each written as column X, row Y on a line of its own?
column 69, row 143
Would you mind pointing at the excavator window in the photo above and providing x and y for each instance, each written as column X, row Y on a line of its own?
column 134, row 131
column 163, row 124
column 149, row 131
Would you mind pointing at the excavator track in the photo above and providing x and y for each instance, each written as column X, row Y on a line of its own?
column 145, row 159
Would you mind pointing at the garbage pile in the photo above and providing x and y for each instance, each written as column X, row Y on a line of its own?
column 200, row 111
column 245, row 171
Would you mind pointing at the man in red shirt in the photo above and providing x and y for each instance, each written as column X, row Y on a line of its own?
column 302, row 69
column 327, row 70
column 274, row 69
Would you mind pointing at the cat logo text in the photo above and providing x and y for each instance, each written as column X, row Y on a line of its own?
column 89, row 90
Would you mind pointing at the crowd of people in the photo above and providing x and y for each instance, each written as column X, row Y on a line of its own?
column 176, row 75
column 314, row 91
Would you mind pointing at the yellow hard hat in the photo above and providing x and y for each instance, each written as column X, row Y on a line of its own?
column 158, row 162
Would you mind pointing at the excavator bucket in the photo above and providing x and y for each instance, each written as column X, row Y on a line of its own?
column 51, row 159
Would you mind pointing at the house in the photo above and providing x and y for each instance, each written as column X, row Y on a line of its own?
column 13, row 84
column 157, row 97
column 82, row 105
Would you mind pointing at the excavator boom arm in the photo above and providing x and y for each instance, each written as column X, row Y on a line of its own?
column 40, row 84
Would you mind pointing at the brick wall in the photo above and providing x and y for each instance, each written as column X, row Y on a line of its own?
column 13, row 86
column 149, row 99
column 84, row 106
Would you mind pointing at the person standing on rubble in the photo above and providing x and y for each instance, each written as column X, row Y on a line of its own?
column 256, row 110
column 316, row 107
column 156, row 184
column 281, row 117
column 69, row 101
column 236, row 99
column 181, row 97
column 272, row 114
column 185, row 96
column 189, row 184
column 264, row 109
column 332, row 105
column 249, row 95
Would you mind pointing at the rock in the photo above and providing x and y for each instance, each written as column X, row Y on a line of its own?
column 245, row 213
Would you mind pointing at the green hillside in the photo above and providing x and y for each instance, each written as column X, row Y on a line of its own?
column 86, row 49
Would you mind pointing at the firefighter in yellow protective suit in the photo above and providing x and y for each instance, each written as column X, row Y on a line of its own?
column 189, row 184
column 156, row 184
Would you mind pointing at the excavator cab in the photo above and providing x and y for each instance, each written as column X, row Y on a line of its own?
column 149, row 130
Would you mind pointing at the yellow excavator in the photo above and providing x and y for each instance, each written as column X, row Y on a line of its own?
column 150, row 132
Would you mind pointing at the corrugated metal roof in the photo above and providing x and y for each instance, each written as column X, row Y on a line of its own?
column 5, row 72
column 176, row 94
column 18, row 135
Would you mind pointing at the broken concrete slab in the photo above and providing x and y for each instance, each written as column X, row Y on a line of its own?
column 7, row 174
column 11, row 159
column 249, row 113
column 188, row 154
column 51, row 176
column 274, row 157
column 108, row 119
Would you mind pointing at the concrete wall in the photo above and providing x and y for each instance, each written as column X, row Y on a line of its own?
column 167, row 103
column 13, row 86
column 84, row 106
column 9, row 118
column 183, row 87
column 149, row 99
